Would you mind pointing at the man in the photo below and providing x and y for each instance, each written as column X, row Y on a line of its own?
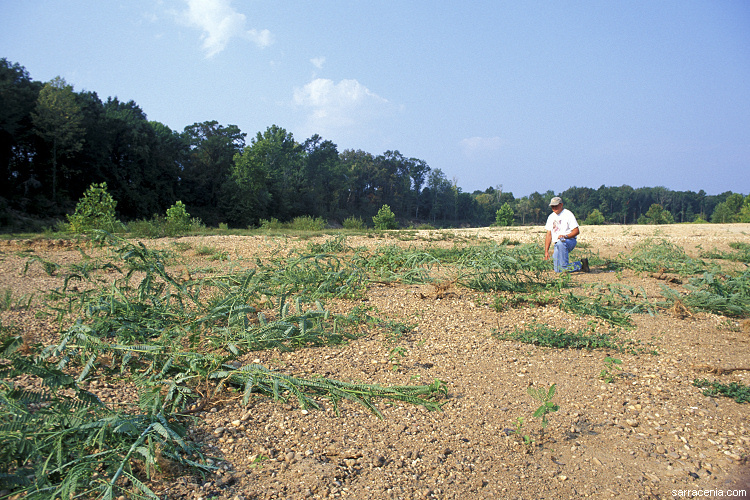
column 562, row 228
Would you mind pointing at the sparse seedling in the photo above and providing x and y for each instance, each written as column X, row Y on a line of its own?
column 258, row 461
column 543, row 396
column 396, row 356
column 523, row 438
column 611, row 367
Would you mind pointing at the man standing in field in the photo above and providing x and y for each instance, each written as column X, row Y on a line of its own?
column 562, row 228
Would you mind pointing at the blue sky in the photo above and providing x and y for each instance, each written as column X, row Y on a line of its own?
column 524, row 94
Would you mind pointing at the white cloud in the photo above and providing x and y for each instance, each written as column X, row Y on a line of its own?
column 480, row 146
column 318, row 62
column 220, row 23
column 334, row 106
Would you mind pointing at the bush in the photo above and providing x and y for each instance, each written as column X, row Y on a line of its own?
column 504, row 215
column 595, row 218
column 178, row 219
column 95, row 210
column 160, row 226
column 307, row 223
column 354, row 223
column 142, row 228
column 656, row 215
column 272, row 223
column 385, row 219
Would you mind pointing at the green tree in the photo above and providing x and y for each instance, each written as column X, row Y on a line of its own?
column 385, row 219
column 355, row 166
column 440, row 195
column 595, row 217
column 744, row 215
column 178, row 218
column 208, row 166
column 504, row 215
column 656, row 215
column 418, row 170
column 58, row 119
column 728, row 210
column 266, row 178
column 18, row 96
column 323, row 185
column 131, row 168
column 95, row 210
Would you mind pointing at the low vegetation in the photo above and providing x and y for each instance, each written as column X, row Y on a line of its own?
column 182, row 339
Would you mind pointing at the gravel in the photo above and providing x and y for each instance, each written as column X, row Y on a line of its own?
column 647, row 434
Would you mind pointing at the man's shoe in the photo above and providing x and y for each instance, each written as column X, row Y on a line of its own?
column 585, row 266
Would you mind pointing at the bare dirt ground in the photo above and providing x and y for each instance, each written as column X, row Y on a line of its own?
column 649, row 434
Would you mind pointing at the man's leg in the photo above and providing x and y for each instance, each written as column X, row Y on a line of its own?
column 560, row 256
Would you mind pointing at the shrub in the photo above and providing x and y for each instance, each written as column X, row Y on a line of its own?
column 354, row 223
column 142, row 228
column 385, row 219
column 656, row 215
column 95, row 210
column 178, row 219
column 595, row 218
column 307, row 223
column 272, row 223
column 504, row 215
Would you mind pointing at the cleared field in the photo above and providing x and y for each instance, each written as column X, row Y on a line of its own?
column 626, row 347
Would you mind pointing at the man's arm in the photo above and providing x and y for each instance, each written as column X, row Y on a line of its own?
column 547, row 242
column 575, row 232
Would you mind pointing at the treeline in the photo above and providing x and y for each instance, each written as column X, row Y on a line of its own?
column 55, row 143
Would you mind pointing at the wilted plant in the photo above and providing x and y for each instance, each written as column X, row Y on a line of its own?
column 545, row 336
column 661, row 256
column 719, row 293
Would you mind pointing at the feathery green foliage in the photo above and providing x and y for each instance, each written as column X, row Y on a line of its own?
column 719, row 293
column 385, row 218
column 595, row 307
column 741, row 253
column 502, row 268
column 392, row 263
column 661, row 256
column 59, row 441
column 545, row 336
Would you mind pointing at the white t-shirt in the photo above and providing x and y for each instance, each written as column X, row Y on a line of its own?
column 561, row 224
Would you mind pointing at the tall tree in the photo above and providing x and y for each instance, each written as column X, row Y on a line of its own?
column 324, row 181
column 208, row 166
column 18, row 95
column 356, row 168
column 58, row 119
column 264, row 177
column 418, row 170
